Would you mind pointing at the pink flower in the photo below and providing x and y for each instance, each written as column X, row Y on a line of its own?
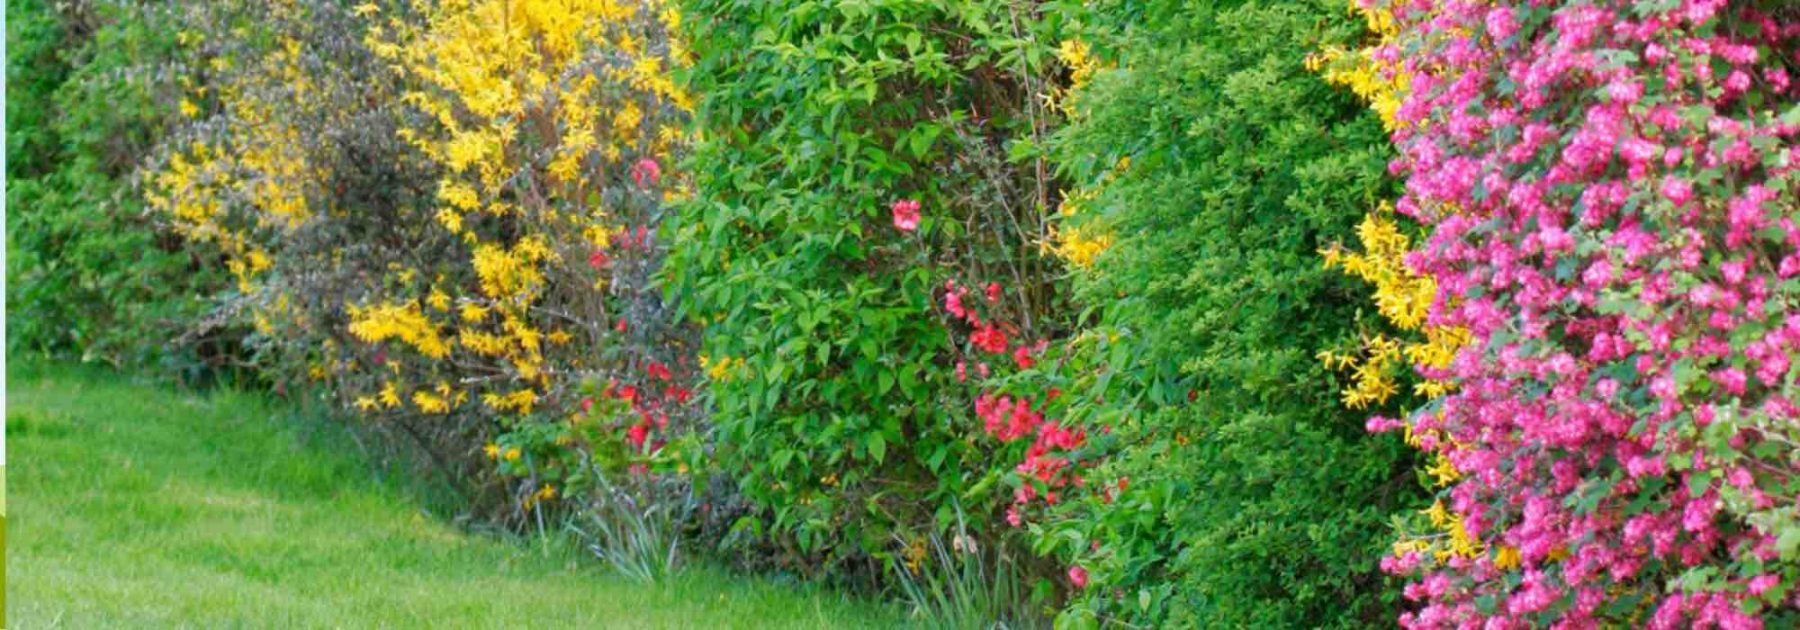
column 993, row 292
column 597, row 260
column 646, row 170
column 1078, row 576
column 906, row 215
column 1677, row 190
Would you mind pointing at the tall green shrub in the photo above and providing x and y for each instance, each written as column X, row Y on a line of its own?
column 1220, row 166
column 89, row 275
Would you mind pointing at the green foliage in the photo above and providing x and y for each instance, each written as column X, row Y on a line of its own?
column 1255, row 498
column 843, row 420
column 88, row 274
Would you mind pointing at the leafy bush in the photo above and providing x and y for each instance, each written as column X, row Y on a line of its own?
column 1237, row 491
column 89, row 274
column 853, row 159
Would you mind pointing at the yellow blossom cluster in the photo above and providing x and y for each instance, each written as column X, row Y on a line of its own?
column 259, row 174
column 533, row 111
column 1076, row 243
column 1079, row 58
column 1403, row 297
column 722, row 369
column 406, row 322
column 1381, row 85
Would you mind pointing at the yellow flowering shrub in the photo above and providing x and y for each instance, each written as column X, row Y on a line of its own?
column 443, row 214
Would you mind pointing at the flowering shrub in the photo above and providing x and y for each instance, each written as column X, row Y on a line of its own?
column 1608, row 189
column 1230, row 488
column 451, row 226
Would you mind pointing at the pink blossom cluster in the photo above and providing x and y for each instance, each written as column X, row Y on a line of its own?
column 1610, row 193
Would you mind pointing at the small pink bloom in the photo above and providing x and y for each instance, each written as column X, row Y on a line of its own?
column 906, row 215
column 993, row 292
column 1677, row 190
column 1078, row 576
column 646, row 170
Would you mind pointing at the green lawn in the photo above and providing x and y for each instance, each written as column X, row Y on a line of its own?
column 138, row 507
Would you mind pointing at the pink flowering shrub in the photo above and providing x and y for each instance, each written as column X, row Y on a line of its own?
column 1610, row 197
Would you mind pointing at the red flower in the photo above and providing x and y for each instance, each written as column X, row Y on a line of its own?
column 658, row 371
column 990, row 339
column 637, row 434
column 646, row 170
column 906, row 215
column 1022, row 356
column 1078, row 576
column 587, row 404
column 597, row 259
column 993, row 292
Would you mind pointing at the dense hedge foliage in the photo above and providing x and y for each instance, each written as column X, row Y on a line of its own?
column 1220, row 165
column 1012, row 309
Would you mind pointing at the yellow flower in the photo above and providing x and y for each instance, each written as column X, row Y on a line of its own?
column 1506, row 557
column 492, row 450
column 406, row 322
column 390, row 395
column 1443, row 471
column 512, row 454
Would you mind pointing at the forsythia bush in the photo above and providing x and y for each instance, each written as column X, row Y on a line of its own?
column 443, row 215
column 1238, row 491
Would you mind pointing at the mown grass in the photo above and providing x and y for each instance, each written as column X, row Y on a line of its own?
column 134, row 506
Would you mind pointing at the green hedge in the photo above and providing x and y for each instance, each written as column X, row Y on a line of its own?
column 1255, row 498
